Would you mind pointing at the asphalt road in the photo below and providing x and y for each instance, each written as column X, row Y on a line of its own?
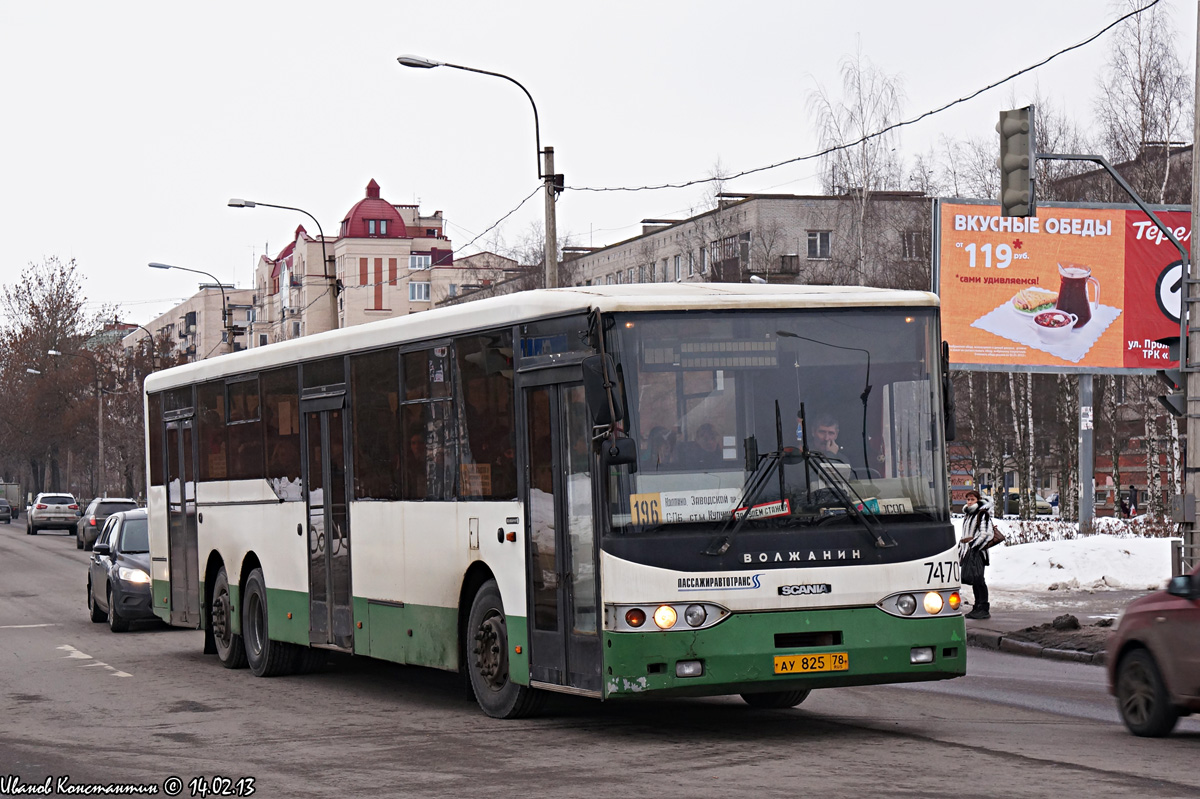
column 80, row 702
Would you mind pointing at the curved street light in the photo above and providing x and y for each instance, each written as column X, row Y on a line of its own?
column 99, row 414
column 553, row 182
column 238, row 203
column 224, row 305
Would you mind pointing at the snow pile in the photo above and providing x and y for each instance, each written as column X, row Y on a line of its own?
column 1095, row 562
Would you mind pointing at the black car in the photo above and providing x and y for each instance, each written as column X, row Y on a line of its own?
column 119, row 572
column 6, row 511
column 88, row 528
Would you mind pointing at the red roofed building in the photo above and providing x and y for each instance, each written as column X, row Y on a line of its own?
column 381, row 264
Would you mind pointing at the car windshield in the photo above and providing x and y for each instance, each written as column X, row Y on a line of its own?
column 799, row 416
column 58, row 499
column 109, row 508
column 3, row 503
column 135, row 537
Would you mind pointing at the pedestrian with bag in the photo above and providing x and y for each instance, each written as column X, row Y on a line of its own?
column 978, row 536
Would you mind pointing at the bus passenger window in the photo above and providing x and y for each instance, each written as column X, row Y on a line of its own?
column 375, row 399
column 281, row 431
column 487, row 468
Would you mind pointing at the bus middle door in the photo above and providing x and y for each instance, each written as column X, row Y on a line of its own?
column 184, row 566
column 330, row 615
column 563, row 592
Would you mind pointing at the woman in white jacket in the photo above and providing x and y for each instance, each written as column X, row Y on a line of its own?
column 977, row 534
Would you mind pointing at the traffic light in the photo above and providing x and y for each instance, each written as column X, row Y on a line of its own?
column 1016, row 162
column 1175, row 400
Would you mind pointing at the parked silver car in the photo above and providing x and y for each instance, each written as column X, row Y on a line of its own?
column 52, row 512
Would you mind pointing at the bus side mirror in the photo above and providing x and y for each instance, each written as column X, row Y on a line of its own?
column 600, row 386
column 620, row 451
column 948, row 394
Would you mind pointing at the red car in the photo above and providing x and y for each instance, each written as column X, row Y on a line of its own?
column 1153, row 657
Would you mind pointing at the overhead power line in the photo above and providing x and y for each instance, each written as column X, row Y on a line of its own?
column 878, row 133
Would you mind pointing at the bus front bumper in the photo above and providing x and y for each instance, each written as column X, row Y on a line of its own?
column 739, row 654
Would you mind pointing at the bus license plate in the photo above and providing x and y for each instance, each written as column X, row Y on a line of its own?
column 826, row 661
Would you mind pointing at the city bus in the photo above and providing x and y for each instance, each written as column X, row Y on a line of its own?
column 608, row 491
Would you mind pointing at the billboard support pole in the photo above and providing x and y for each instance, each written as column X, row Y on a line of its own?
column 1087, row 459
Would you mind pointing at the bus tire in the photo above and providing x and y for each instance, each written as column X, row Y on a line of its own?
column 486, row 647
column 776, row 700
column 230, row 648
column 309, row 659
column 265, row 657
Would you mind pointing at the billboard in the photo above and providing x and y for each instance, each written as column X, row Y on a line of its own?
column 1077, row 288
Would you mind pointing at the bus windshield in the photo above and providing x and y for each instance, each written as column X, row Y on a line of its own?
column 771, row 419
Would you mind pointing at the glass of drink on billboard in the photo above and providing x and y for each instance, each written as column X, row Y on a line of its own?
column 1073, row 293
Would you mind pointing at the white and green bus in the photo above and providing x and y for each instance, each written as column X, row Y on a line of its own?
column 615, row 492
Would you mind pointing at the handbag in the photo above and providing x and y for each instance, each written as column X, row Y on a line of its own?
column 972, row 566
column 997, row 538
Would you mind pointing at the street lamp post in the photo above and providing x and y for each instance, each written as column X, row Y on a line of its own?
column 236, row 203
column 224, row 305
column 554, row 183
column 99, row 416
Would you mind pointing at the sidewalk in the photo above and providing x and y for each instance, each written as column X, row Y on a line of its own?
column 1015, row 611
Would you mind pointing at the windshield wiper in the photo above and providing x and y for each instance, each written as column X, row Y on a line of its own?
column 754, row 486
column 849, row 498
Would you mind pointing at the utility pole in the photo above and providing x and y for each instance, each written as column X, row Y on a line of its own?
column 551, row 232
column 1191, row 343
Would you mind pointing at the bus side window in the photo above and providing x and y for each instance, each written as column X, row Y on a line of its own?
column 281, row 431
column 427, row 425
column 485, row 413
column 374, row 394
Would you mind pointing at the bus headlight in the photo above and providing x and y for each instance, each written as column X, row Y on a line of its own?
column 667, row 616
column 906, row 604
column 934, row 603
column 938, row 602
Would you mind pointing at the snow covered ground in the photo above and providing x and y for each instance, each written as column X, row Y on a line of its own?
column 1048, row 573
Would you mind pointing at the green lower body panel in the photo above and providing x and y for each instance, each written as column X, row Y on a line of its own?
column 419, row 635
column 287, row 616
column 738, row 655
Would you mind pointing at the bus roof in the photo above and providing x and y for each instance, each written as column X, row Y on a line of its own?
column 529, row 305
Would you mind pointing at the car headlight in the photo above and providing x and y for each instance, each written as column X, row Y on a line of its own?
column 133, row 575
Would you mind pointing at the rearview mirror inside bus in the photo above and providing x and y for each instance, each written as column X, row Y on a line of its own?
column 600, row 385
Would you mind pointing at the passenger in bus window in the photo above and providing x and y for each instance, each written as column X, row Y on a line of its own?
column 705, row 450
column 661, row 447
column 825, row 434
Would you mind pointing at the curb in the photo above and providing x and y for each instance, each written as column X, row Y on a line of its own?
column 989, row 639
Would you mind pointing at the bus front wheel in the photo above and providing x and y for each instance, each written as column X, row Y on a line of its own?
column 776, row 700
column 486, row 646
column 230, row 649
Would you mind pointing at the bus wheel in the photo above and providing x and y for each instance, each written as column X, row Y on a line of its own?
column 266, row 658
column 776, row 700
column 486, row 647
column 230, row 649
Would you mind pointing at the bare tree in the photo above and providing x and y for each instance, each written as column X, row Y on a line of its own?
column 1145, row 100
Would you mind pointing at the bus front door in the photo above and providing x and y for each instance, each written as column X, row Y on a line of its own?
column 183, row 567
column 330, row 616
column 563, row 596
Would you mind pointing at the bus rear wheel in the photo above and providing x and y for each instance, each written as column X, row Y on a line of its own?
column 230, row 648
column 266, row 658
column 486, row 647
column 776, row 700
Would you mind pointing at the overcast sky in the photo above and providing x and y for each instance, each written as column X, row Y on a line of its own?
column 130, row 125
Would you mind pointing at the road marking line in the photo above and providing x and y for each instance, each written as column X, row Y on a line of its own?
column 75, row 654
column 24, row 626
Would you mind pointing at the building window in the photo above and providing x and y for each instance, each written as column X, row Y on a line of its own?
column 818, row 244
column 789, row 264
column 420, row 261
column 642, row 273
column 630, row 276
column 608, row 280
column 453, row 290
column 912, row 245
column 382, row 227
column 296, row 329
column 370, row 227
column 691, row 263
column 418, row 292
column 262, row 339
column 678, row 267
column 703, row 260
